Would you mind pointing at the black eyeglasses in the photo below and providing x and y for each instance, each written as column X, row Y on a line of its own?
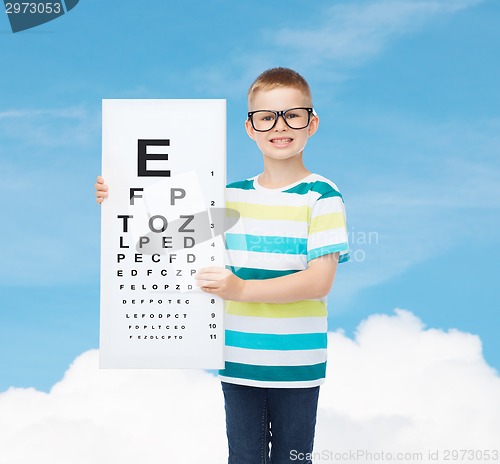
column 295, row 118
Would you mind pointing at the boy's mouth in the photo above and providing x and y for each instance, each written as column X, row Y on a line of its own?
column 281, row 141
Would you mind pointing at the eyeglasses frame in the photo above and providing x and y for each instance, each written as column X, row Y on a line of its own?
column 310, row 112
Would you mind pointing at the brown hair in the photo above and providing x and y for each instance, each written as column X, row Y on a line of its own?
column 280, row 77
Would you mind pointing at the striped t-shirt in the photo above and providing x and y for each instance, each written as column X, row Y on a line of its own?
column 278, row 233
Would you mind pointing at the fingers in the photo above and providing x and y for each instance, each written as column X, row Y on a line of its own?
column 209, row 273
column 207, row 282
column 101, row 190
column 210, row 284
column 100, row 186
column 209, row 290
column 210, row 276
column 101, row 195
column 211, row 269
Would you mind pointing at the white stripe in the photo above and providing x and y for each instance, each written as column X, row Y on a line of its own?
column 272, row 261
column 270, row 325
column 327, row 237
column 274, row 357
column 259, row 383
column 328, row 206
column 259, row 197
column 296, row 229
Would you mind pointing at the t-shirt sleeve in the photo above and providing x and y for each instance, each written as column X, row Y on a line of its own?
column 327, row 227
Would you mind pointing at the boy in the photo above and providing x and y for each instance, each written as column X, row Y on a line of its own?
column 283, row 255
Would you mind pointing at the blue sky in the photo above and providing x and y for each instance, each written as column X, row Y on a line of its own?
column 410, row 131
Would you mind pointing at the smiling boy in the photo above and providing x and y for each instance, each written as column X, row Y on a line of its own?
column 283, row 256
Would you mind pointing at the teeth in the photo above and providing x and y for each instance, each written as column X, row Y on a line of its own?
column 281, row 141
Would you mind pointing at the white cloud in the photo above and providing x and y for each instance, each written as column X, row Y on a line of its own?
column 108, row 416
column 434, row 386
column 396, row 387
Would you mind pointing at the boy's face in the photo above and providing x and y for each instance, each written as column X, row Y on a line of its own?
column 281, row 142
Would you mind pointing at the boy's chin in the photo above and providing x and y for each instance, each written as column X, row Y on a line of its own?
column 282, row 156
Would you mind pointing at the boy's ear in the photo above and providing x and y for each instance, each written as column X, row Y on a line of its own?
column 313, row 125
column 250, row 130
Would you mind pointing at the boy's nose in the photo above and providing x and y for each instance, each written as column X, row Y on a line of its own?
column 280, row 123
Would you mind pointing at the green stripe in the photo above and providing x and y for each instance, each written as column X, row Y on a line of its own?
column 260, row 341
column 317, row 252
column 250, row 273
column 267, row 244
column 274, row 373
column 242, row 184
column 302, row 308
column 323, row 188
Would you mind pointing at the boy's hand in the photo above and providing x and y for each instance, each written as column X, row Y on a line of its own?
column 311, row 283
column 101, row 190
column 221, row 282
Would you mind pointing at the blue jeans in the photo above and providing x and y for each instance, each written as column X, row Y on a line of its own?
column 256, row 417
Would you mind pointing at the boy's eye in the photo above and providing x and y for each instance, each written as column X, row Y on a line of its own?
column 292, row 115
column 266, row 116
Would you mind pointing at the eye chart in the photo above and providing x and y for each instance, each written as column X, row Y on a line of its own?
column 164, row 163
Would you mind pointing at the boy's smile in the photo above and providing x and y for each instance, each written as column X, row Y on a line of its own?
column 281, row 142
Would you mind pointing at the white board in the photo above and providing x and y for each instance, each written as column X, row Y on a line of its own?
column 164, row 163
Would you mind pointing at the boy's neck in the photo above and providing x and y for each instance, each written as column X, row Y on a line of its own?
column 280, row 173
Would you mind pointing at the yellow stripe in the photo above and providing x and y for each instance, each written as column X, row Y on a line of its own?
column 254, row 211
column 326, row 221
column 305, row 308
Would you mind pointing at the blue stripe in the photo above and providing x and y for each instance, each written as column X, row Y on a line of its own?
column 258, row 341
column 344, row 257
column 330, row 194
column 321, row 251
column 242, row 184
column 274, row 373
column 249, row 273
column 267, row 244
column 323, row 188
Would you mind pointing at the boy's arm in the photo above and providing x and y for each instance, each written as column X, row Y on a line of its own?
column 313, row 282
